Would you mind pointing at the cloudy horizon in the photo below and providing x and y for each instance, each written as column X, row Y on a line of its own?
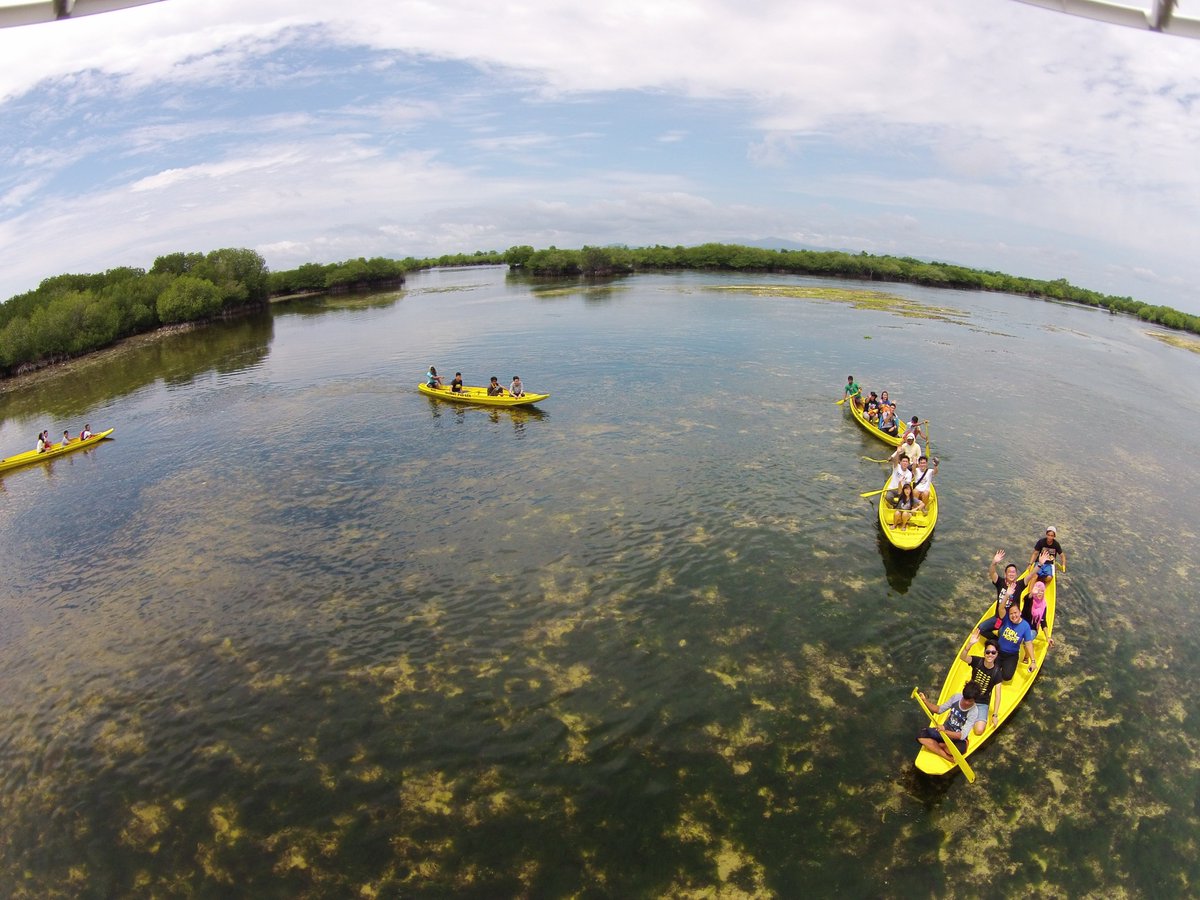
column 993, row 134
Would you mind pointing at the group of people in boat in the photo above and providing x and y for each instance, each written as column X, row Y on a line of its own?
column 494, row 388
column 877, row 408
column 45, row 442
column 1008, row 635
column 909, row 488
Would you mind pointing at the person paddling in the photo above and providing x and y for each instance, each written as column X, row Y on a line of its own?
column 965, row 716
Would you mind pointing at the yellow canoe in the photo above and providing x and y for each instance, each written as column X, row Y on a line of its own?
column 920, row 526
column 1011, row 692
column 32, row 456
column 480, row 396
column 859, row 417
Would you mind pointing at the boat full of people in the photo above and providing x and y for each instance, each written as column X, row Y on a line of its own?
column 47, row 449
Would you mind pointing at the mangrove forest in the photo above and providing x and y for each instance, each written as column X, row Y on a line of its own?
column 70, row 315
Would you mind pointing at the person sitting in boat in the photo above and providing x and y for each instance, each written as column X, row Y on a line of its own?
column 986, row 674
column 66, row 438
column 923, row 478
column 1008, row 592
column 43, row 442
column 853, row 392
column 966, row 715
column 516, row 388
column 884, row 400
column 1014, row 634
column 494, row 388
column 914, row 428
column 456, row 384
column 906, row 504
column 871, row 407
column 86, row 433
column 1034, row 609
column 910, row 448
column 432, row 378
column 1045, row 570
column 887, row 418
column 901, row 475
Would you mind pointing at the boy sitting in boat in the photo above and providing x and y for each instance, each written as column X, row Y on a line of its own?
column 456, row 384
column 432, row 378
column 871, row 408
column 494, row 388
column 516, row 388
column 853, row 392
column 965, row 716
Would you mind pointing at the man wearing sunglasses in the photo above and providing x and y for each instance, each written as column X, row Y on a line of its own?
column 986, row 674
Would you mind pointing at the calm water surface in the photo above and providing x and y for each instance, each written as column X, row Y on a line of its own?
column 301, row 631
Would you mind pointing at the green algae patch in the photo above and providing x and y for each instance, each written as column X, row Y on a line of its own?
column 880, row 301
column 592, row 291
column 1176, row 340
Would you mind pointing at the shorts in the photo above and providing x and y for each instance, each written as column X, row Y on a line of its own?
column 1008, row 664
column 931, row 732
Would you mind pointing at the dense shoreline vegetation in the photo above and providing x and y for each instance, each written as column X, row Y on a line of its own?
column 70, row 315
column 598, row 261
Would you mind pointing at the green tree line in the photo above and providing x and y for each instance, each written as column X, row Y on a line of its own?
column 68, row 315
column 362, row 274
column 602, row 261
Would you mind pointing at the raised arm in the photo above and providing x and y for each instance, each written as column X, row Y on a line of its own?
column 997, row 558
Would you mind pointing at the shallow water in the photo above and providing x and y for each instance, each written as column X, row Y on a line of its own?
column 301, row 630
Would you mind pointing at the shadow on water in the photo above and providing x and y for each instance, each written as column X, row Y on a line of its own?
column 321, row 304
column 518, row 416
column 900, row 566
column 175, row 359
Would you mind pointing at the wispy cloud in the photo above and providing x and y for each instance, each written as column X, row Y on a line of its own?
column 996, row 135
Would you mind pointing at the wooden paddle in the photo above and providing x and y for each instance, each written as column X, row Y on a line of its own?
column 954, row 751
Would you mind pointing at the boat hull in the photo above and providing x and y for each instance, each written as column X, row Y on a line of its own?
column 871, row 429
column 920, row 527
column 479, row 396
column 32, row 456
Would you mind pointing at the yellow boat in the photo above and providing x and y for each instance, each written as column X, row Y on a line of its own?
column 859, row 417
column 920, row 526
column 32, row 456
column 1011, row 692
column 479, row 395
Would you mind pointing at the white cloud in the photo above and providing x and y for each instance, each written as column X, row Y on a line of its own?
column 971, row 131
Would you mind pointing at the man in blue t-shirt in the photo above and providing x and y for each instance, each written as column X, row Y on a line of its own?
column 1011, row 636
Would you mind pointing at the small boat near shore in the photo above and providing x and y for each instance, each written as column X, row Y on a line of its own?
column 32, row 456
column 479, row 396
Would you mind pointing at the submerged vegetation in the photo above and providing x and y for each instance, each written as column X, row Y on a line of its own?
column 69, row 315
column 594, row 261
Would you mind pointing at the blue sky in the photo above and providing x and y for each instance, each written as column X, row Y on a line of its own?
column 987, row 133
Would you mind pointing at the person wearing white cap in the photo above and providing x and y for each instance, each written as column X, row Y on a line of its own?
column 910, row 448
column 1045, row 570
